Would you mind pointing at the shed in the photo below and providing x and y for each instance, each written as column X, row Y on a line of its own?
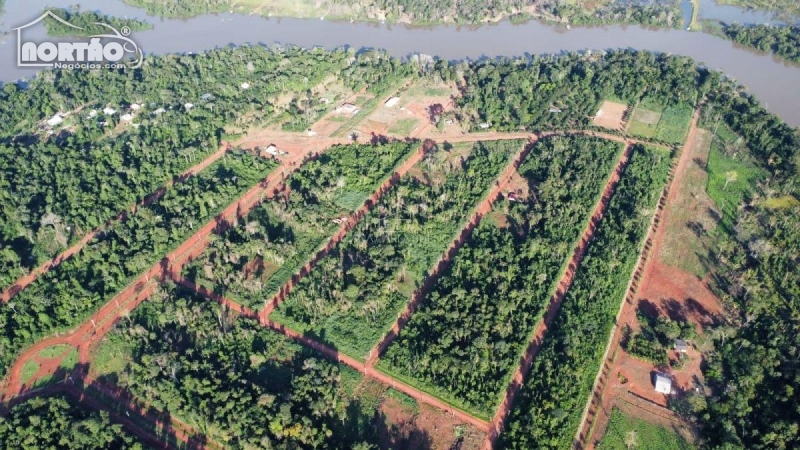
column 663, row 383
column 109, row 111
column 136, row 107
column 484, row 125
column 272, row 150
column 346, row 108
column 126, row 117
column 392, row 102
column 681, row 346
column 245, row 85
column 555, row 110
column 188, row 106
column 55, row 120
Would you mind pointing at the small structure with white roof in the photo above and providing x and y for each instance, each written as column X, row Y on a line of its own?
column 346, row 108
column 681, row 346
column 392, row 102
column 109, row 111
column 188, row 106
column 126, row 117
column 136, row 107
column 245, row 85
column 272, row 150
column 663, row 384
column 55, row 120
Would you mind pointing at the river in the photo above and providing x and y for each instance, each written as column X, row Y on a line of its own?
column 775, row 83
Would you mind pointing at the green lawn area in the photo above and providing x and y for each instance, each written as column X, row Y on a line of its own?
column 625, row 432
column 111, row 356
column 29, row 370
column 403, row 127
column 643, row 122
column 52, row 352
column 70, row 360
column 674, row 124
column 730, row 182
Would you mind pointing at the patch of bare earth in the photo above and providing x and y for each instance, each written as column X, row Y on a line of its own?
column 430, row 428
column 611, row 115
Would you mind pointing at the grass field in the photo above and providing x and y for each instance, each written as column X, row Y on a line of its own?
column 29, row 370
column 644, row 122
column 403, row 127
column 625, row 432
column 674, row 124
column 52, row 352
column 730, row 182
column 70, row 360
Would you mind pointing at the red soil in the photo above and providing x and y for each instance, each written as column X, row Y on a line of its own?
column 441, row 265
column 567, row 277
column 598, row 407
column 23, row 282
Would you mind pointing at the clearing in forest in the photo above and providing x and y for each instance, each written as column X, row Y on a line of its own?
column 464, row 341
column 251, row 261
column 354, row 294
column 611, row 115
column 626, row 432
column 644, row 122
column 667, row 124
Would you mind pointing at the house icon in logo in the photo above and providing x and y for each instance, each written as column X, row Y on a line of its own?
column 105, row 49
column 30, row 45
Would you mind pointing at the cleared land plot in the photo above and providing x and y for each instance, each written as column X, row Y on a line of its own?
column 625, row 432
column 644, row 122
column 67, row 295
column 240, row 383
column 404, row 127
column 674, row 124
column 465, row 340
column 551, row 402
column 251, row 261
column 355, row 294
column 691, row 215
column 611, row 115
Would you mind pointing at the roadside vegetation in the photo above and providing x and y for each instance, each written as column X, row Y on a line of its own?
column 355, row 294
column 552, row 400
column 465, row 340
column 243, row 385
column 68, row 294
column 252, row 260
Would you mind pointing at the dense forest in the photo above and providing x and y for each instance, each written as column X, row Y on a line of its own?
column 57, row 422
column 67, row 295
column 467, row 336
column 653, row 13
column 88, row 20
column 788, row 9
column 60, row 182
column 513, row 94
column 355, row 293
column 251, row 262
column 782, row 41
column 552, row 400
column 243, row 385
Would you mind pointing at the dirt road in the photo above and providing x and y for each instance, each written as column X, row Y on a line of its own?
column 483, row 208
column 535, row 344
column 599, row 402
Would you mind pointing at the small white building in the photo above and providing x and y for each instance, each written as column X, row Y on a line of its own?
column 272, row 150
column 188, row 106
column 484, row 125
column 681, row 346
column 92, row 113
column 346, row 108
column 159, row 111
column 136, row 107
column 245, row 85
column 109, row 111
column 663, row 384
column 55, row 120
column 126, row 117
column 392, row 102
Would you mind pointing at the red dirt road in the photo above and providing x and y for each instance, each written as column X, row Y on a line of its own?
column 535, row 344
column 483, row 208
column 23, row 282
column 599, row 403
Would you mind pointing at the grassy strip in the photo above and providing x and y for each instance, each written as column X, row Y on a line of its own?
column 552, row 400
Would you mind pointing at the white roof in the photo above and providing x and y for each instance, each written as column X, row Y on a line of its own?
column 136, row 106
column 392, row 101
column 55, row 120
column 188, row 106
column 92, row 113
column 663, row 384
column 245, row 85
column 126, row 117
column 109, row 111
column 159, row 111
